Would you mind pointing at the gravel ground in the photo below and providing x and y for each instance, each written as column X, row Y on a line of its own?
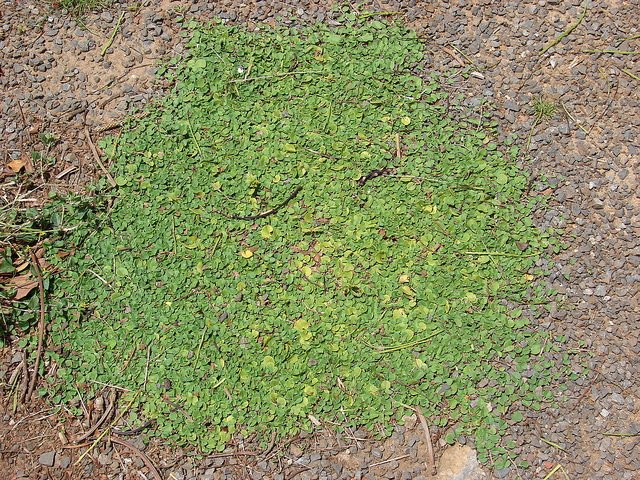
column 55, row 78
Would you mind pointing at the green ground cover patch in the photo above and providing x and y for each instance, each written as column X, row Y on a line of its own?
column 270, row 261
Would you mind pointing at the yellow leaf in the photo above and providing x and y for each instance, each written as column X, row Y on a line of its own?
column 267, row 231
column 246, row 253
column 430, row 208
column 404, row 278
column 301, row 325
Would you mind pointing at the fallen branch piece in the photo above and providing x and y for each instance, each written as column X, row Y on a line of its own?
column 97, row 157
column 100, row 421
column 147, row 461
column 263, row 214
column 425, row 427
column 34, row 375
column 388, row 461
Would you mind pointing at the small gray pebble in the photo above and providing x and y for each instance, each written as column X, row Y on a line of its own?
column 208, row 474
column 600, row 291
column 617, row 398
column 47, row 459
column 511, row 105
column 104, row 459
column 502, row 473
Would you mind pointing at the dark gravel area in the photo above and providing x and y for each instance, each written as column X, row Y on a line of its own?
column 54, row 78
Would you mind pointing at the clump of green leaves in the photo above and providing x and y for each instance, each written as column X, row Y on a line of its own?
column 21, row 229
column 359, row 296
column 543, row 108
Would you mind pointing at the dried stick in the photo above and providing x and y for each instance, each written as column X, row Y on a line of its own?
column 249, row 453
column 97, row 157
column 101, row 436
column 271, row 444
column 234, row 454
column 147, row 461
column 456, row 57
column 285, row 74
column 24, row 121
column 263, row 214
column 586, row 390
column 25, row 376
column 34, row 375
column 178, row 407
column 14, row 375
column 423, row 421
column 388, row 461
column 104, row 416
column 298, row 472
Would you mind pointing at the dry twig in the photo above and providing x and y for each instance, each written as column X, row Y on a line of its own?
column 100, row 421
column 147, row 461
column 34, row 375
column 297, row 472
column 423, row 421
column 453, row 54
column 25, row 376
column 586, row 390
column 271, row 211
column 388, row 461
column 97, row 157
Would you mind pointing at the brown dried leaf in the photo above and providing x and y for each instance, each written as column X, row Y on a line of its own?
column 21, row 267
column 24, row 283
column 28, row 165
column 17, row 165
